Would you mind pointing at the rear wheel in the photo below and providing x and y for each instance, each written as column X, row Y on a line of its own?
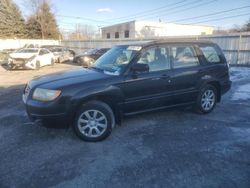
column 206, row 100
column 94, row 121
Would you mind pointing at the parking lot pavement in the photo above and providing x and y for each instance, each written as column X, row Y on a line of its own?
column 174, row 148
column 16, row 77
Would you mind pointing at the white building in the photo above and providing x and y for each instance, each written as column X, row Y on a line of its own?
column 148, row 29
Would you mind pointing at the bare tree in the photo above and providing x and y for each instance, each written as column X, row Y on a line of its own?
column 241, row 28
column 41, row 11
column 87, row 31
column 81, row 32
column 147, row 32
column 246, row 27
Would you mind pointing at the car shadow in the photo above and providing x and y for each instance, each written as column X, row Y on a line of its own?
column 4, row 65
column 7, row 68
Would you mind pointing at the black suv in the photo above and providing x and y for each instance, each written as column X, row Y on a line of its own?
column 88, row 58
column 130, row 79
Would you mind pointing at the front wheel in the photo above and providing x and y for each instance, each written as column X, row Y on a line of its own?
column 206, row 100
column 94, row 121
column 11, row 67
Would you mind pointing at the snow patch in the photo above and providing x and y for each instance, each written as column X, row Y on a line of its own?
column 242, row 93
column 243, row 133
column 239, row 73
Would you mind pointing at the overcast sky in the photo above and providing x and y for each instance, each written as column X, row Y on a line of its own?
column 108, row 12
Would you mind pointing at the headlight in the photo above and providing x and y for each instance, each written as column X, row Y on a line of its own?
column 86, row 59
column 41, row 94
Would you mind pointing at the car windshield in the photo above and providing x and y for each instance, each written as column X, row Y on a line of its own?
column 115, row 60
column 91, row 51
column 28, row 51
column 56, row 49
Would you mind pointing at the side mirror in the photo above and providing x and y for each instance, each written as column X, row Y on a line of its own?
column 140, row 67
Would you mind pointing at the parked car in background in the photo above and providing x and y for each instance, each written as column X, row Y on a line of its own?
column 62, row 54
column 58, row 46
column 89, row 57
column 30, row 58
column 127, row 80
column 12, row 50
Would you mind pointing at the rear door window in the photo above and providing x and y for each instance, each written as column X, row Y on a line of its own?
column 43, row 52
column 210, row 54
column 184, row 56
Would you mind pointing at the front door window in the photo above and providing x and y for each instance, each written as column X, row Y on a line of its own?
column 157, row 58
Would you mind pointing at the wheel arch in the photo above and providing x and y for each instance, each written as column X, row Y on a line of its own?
column 112, row 98
column 217, row 86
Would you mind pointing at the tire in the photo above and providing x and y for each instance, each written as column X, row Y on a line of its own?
column 91, row 118
column 206, row 100
column 37, row 65
column 78, row 61
column 11, row 67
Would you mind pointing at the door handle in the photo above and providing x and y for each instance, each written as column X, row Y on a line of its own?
column 165, row 76
column 156, row 78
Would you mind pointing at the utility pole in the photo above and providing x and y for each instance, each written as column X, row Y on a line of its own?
column 77, row 31
column 238, row 51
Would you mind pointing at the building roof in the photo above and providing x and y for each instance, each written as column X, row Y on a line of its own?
column 153, row 23
column 118, row 24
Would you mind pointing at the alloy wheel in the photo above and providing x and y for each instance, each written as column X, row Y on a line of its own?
column 92, row 123
column 208, row 100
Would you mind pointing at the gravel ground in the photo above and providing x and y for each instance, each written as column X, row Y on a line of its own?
column 174, row 148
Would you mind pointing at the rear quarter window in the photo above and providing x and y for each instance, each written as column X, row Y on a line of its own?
column 210, row 54
column 184, row 56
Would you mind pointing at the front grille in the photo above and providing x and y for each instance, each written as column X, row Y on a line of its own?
column 18, row 61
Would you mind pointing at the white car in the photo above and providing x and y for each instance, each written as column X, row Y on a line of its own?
column 31, row 58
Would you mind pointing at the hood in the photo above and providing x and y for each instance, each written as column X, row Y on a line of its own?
column 81, row 55
column 22, row 55
column 64, row 78
column 57, row 53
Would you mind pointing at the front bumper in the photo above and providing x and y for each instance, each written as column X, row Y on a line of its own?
column 51, row 114
column 20, row 65
column 13, row 65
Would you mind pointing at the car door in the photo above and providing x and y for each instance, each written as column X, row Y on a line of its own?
column 149, row 90
column 64, row 54
column 41, row 57
column 186, row 73
column 67, row 55
column 47, row 57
